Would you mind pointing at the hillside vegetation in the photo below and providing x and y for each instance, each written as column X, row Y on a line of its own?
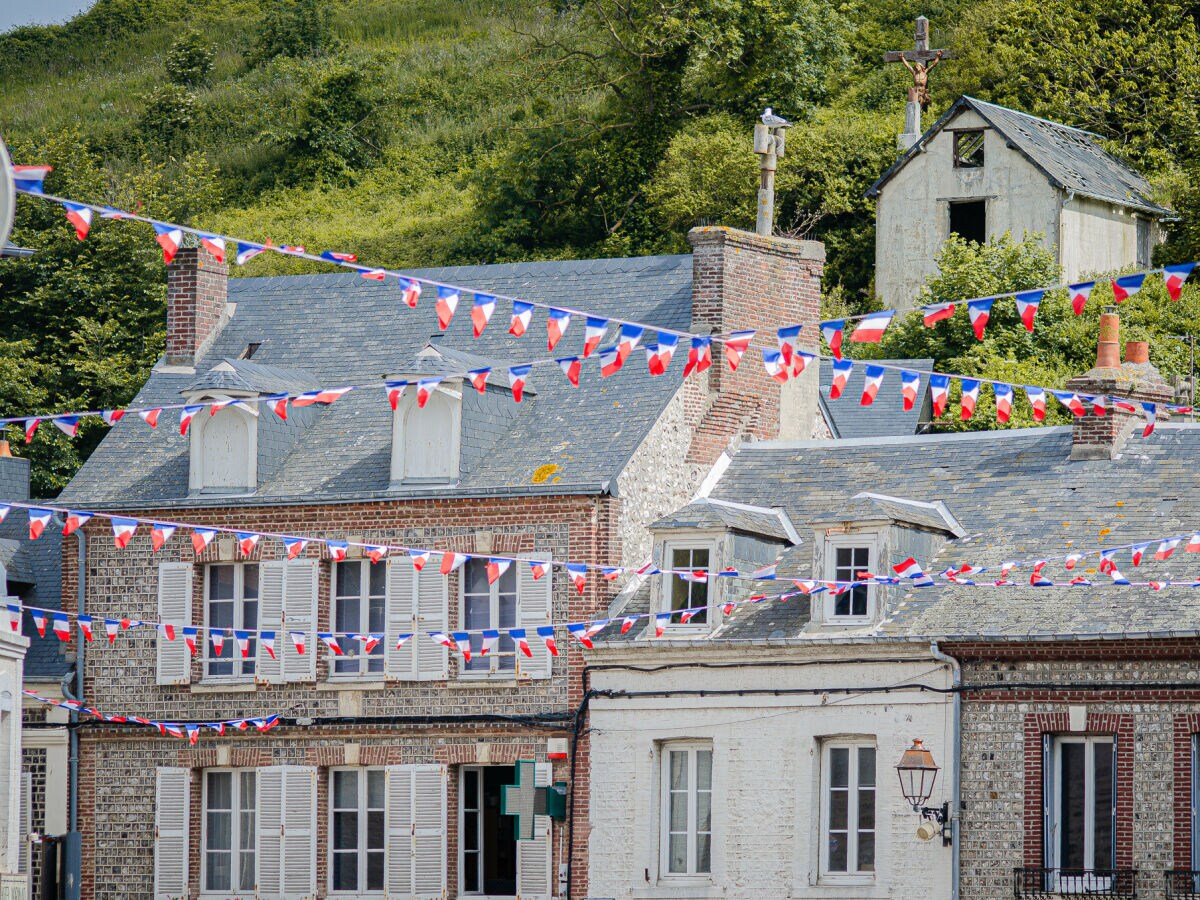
column 426, row 132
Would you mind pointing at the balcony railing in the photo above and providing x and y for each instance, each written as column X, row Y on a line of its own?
column 1182, row 884
column 1047, row 883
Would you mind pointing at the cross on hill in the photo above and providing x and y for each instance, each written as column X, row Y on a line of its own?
column 919, row 61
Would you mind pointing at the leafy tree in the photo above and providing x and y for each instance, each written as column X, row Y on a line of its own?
column 190, row 60
column 294, row 28
column 169, row 115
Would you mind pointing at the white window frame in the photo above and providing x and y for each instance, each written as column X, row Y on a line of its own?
column 198, row 449
column 852, row 873
column 462, row 844
column 666, row 748
column 668, row 582
column 407, row 406
column 362, row 810
column 505, row 647
column 1089, row 882
column 353, row 650
column 235, row 833
column 833, row 543
column 239, row 598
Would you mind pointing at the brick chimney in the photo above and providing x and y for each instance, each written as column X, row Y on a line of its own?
column 740, row 281
column 1103, row 437
column 197, row 289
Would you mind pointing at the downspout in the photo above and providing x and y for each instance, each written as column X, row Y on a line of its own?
column 956, row 766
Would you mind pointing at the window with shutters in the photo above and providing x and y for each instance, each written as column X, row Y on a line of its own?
column 172, row 793
column 845, row 559
column 357, row 830
column 231, row 611
column 228, row 860
column 224, row 452
column 417, row 604
column 848, row 809
column 489, row 607
column 487, row 839
column 685, row 839
column 1081, row 790
column 425, row 441
column 360, row 608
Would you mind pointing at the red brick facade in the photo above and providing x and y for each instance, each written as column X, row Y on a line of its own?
column 197, row 289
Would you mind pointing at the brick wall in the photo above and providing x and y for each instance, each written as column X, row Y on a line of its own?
column 197, row 289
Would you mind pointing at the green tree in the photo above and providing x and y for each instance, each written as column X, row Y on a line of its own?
column 168, row 117
column 294, row 28
column 190, row 60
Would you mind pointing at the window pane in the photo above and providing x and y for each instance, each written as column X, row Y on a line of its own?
column 220, row 830
column 681, row 559
column 220, row 582
column 866, row 852
column 218, row 868
column 376, row 620
column 845, row 558
column 220, row 614
column 250, row 581
column 680, row 595
column 345, row 830
column 345, row 871
column 378, row 578
column 704, row 811
column 837, row 852
column 376, row 785
column 375, row 830
column 838, row 812
column 679, row 811
column 866, row 809
column 858, row 600
column 679, row 760
column 508, row 610
column 508, row 581
column 704, row 770
column 476, row 576
column 1103, row 834
column 866, row 766
column 699, row 559
column 1072, row 813
column 374, row 871
column 841, row 603
column 678, row 853
column 703, row 853
column 220, row 790
column 349, row 579
column 839, row 767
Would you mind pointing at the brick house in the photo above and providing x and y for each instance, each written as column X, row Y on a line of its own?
column 384, row 775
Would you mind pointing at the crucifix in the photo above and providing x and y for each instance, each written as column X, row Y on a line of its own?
column 919, row 61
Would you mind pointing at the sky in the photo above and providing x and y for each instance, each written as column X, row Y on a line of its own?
column 38, row 12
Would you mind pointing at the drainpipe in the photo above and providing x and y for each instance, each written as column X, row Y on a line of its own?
column 956, row 766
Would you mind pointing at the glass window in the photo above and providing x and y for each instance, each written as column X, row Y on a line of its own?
column 1083, row 808
column 491, row 606
column 359, row 608
column 231, row 604
column 686, row 837
column 357, row 829
column 846, row 563
column 689, row 594
column 848, row 821
column 229, row 842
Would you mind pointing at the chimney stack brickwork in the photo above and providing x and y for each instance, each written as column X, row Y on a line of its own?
column 197, row 291
column 747, row 281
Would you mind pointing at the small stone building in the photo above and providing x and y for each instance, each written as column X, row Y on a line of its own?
column 982, row 170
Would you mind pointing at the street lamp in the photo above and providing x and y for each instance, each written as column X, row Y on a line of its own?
column 918, row 773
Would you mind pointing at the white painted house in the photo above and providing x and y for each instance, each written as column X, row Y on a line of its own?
column 13, row 809
column 982, row 170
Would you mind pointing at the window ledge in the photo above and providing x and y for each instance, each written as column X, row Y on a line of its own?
column 355, row 684
column 686, row 889
column 470, row 681
column 851, row 887
column 225, row 687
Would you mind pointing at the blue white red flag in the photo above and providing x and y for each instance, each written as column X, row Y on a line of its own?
column 169, row 237
column 593, row 334
column 30, row 178
column 111, row 627
column 800, row 361
column 479, row 377
column 1174, row 278
column 787, row 338
column 159, row 535
column 39, row 621
column 1150, row 411
column 331, row 642
column 294, row 546
column 112, row 416
column 912, row 570
column 447, row 303
column 970, row 396
column 401, row 639
column 80, row 217
column 556, row 326
column 123, row 530
column 774, row 364
column 186, row 415
column 395, row 390
column 521, row 313
column 659, row 355
column 481, row 312
column 497, row 566
column 372, row 274
column 462, row 643
column 979, row 311
column 1004, row 401
column 936, row 312
column 490, row 638
column 1027, row 306
column 268, row 642
column 1166, row 548
column 38, row 520
column 247, row 252
column 630, row 337
column 1137, row 552
column 661, row 621
column 832, row 332
column 870, row 330
column 217, row 637
column 419, row 558
column 337, row 550
column 872, row 379
column 841, row 374
column 335, row 257
column 571, row 367
column 699, row 356
column 410, row 292
column 201, row 538
column 610, row 361
column 538, row 568
column 1099, row 405
column 1036, row 578
column 585, row 631
column 31, row 427
column 74, row 520
column 375, row 552
column 247, row 541
column 150, row 416
column 1079, row 294
column 324, row 396
column 214, row 245
column 68, row 425
column 1037, row 399
column 452, row 561
column 14, row 618
column 425, row 389
column 61, row 625
column 627, row 623
column 1126, row 286
column 577, row 572
column 1070, row 401
column 910, row 383
column 518, row 637
column 735, row 346
column 939, row 389
column 517, row 376
column 85, row 626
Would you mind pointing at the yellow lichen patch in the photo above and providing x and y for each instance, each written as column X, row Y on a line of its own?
column 1066, row 524
column 1120, row 503
column 556, row 479
column 542, row 473
column 1105, row 532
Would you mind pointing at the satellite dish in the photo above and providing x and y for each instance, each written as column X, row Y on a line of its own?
column 8, row 195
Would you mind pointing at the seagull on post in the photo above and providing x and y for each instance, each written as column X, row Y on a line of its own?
column 773, row 121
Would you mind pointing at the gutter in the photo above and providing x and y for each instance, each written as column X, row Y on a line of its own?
column 956, row 766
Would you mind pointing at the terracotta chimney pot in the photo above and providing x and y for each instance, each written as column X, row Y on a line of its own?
column 5, row 449
column 1137, row 352
column 1108, row 348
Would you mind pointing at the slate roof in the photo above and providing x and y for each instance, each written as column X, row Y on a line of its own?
column 704, row 512
column 848, row 418
column 866, row 506
column 339, row 329
column 1018, row 496
column 246, row 376
column 1071, row 158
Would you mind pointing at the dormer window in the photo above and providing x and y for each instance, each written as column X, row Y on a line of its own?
column 426, row 440
column 847, row 557
column 690, row 593
column 224, row 450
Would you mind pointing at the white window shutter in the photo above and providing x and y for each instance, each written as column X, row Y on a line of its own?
column 401, row 664
column 299, row 614
column 299, row 832
column 533, row 609
column 270, row 618
column 174, row 607
column 429, row 832
column 533, row 857
column 268, row 819
column 433, row 660
column 399, row 831
column 172, row 793
column 24, row 847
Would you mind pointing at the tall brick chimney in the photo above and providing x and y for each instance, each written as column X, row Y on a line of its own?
column 197, row 290
column 1103, row 437
column 739, row 281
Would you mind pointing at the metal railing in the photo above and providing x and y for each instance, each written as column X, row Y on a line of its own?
column 1046, row 883
column 1182, row 884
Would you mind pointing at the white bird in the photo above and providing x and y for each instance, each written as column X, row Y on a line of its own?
column 773, row 121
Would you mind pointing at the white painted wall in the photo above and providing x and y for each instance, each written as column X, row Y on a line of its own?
column 1099, row 237
column 12, row 657
column 766, row 771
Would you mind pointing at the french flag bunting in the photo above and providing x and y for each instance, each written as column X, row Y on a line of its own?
column 1117, row 577
column 910, row 385
column 324, row 396
column 481, row 312
column 1099, row 405
column 30, row 178
column 870, row 330
column 189, row 638
column 521, row 313
column 912, row 570
column 68, row 425
column 539, row 568
column 1174, row 278
column 1126, row 286
column 159, row 535
column 585, row 631
column 1036, row 578
column 5, row 509
column 247, row 541
column 699, row 356
column 201, row 538
column 1165, row 549
column 331, row 642
column 123, row 530
column 611, row 573
column 167, row 630
column 556, row 327
column 85, row 626
column 247, row 252
column 80, row 217
column 630, row 337
column 111, row 212
column 1027, row 306
column 372, row 274
column 1150, row 411
column 1070, row 401
column 425, row 389
column 1079, row 294
column 970, row 395
column 841, row 373
column 294, row 546
column 337, row 550
column 452, row 561
column 395, row 390
column 610, row 361
column 800, row 361
column 443, row 640
column 774, row 364
column 933, row 313
column 659, row 355
column 410, row 292
column 217, row 637
column 193, row 733
column 766, row 573
column 462, row 643
column 1124, row 406
column 38, row 520
column 546, row 633
column 1193, row 544
column 661, row 621
column 1004, row 401
column 31, row 427
column 61, row 624
column 150, row 416
column 497, row 566
column 74, row 520
column 832, row 332
column 516, row 380
column 419, row 558
column 402, row 638
column 14, row 618
column 214, row 245
column 787, row 338
column 1137, row 552
column 979, row 311
column 278, row 404
column 518, row 637
column 1037, row 399
column 335, row 257
column 627, row 623
column 169, row 237
column 289, row 250
column 479, row 377
column 39, row 621
column 1107, row 562
column 577, row 572
column 872, row 379
column 939, row 389
column 1072, row 560
column 185, row 417
column 447, row 303
column 375, row 552
column 490, row 638
column 112, row 416
column 298, row 639
column 593, row 333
